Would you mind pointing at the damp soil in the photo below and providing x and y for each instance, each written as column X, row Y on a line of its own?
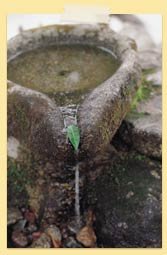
column 65, row 73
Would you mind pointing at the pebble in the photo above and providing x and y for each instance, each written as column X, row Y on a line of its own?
column 155, row 174
column 20, row 225
column 70, row 242
column 87, row 237
column 54, row 233
column 122, row 225
column 43, row 241
column 32, row 228
column 129, row 194
column 14, row 215
column 19, row 239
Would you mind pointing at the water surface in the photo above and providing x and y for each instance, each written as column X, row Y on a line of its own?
column 65, row 73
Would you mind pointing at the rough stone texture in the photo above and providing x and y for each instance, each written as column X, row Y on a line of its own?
column 150, row 59
column 14, row 215
column 87, row 237
column 35, row 120
column 13, row 147
column 54, row 233
column 133, row 27
column 155, row 78
column 128, row 18
column 19, row 239
column 36, row 124
column 72, row 243
column 143, row 130
column 149, row 53
column 127, row 203
column 43, row 241
column 103, row 110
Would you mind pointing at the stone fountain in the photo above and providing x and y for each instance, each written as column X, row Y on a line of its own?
column 37, row 120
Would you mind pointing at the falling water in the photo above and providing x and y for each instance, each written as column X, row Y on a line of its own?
column 77, row 202
column 69, row 114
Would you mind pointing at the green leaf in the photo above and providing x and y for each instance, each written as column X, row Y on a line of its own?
column 73, row 134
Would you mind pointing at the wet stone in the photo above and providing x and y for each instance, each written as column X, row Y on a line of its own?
column 19, row 239
column 54, row 233
column 70, row 242
column 127, row 203
column 87, row 237
column 143, row 129
column 43, row 241
column 14, row 215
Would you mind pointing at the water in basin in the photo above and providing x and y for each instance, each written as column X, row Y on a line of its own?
column 65, row 73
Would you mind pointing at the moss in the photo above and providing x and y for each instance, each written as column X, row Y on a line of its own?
column 136, row 115
column 20, row 174
column 142, row 94
column 62, row 72
column 17, row 179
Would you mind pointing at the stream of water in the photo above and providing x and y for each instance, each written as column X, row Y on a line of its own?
column 70, row 118
column 77, row 200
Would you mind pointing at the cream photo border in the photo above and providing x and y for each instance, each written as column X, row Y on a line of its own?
column 54, row 7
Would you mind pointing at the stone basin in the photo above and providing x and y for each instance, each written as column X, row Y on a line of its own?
column 33, row 116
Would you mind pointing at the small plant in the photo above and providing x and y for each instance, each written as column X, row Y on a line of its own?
column 16, row 176
column 73, row 134
column 142, row 93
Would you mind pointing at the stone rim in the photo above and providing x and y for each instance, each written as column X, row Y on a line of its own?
column 106, row 105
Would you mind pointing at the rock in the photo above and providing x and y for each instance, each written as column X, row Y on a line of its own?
column 133, row 221
column 155, row 78
column 36, row 235
column 19, row 239
column 70, row 242
column 54, row 233
column 32, row 228
column 145, row 135
column 129, row 194
column 131, row 26
column 13, row 147
column 14, row 215
column 43, row 241
column 87, row 237
column 32, row 110
column 128, row 18
column 151, row 106
column 150, row 59
column 149, row 53
column 132, row 30
column 30, row 216
column 143, row 130
column 20, row 225
column 73, row 227
column 36, row 200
